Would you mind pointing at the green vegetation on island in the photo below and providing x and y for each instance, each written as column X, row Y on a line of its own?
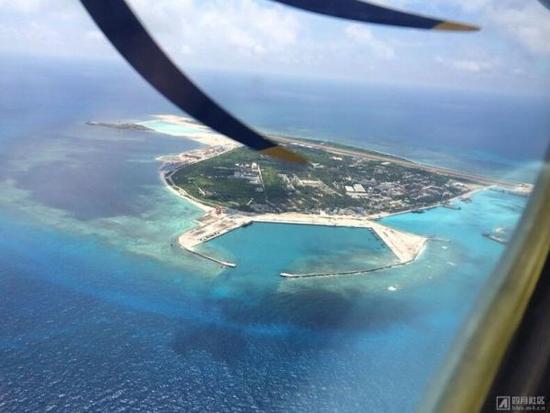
column 334, row 183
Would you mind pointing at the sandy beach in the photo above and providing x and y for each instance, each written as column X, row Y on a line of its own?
column 191, row 130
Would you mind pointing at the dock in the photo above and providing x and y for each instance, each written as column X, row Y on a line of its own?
column 351, row 272
column 495, row 238
column 341, row 273
column 207, row 257
column 405, row 246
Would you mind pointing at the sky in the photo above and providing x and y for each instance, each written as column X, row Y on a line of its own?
column 511, row 54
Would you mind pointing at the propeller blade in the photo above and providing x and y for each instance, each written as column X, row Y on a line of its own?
column 370, row 13
column 117, row 21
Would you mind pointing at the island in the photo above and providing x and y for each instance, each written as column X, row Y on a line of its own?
column 332, row 183
column 340, row 186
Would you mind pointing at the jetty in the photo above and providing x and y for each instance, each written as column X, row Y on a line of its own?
column 405, row 246
column 341, row 273
column 210, row 258
column 495, row 238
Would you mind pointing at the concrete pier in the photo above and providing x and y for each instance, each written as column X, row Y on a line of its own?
column 207, row 257
column 405, row 246
column 340, row 273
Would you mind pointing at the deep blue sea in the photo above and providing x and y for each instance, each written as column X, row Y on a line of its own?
column 100, row 313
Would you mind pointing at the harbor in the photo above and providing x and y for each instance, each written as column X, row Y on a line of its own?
column 222, row 263
column 219, row 218
column 405, row 246
column 342, row 273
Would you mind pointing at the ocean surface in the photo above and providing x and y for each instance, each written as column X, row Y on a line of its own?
column 99, row 311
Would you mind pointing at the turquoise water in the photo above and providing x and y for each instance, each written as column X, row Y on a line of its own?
column 315, row 248
column 99, row 311
column 470, row 131
column 175, row 129
column 170, row 338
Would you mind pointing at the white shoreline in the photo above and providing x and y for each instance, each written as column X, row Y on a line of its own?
column 202, row 134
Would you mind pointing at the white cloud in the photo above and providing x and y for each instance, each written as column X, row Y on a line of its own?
column 525, row 21
column 363, row 36
column 262, row 36
column 237, row 27
column 232, row 28
column 48, row 27
column 529, row 24
column 22, row 6
column 466, row 65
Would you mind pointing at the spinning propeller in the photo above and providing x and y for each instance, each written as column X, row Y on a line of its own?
column 370, row 13
column 117, row 21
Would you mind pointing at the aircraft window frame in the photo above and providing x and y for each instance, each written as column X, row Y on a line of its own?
column 465, row 379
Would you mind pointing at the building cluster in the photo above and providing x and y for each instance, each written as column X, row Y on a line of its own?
column 293, row 181
column 356, row 191
column 248, row 171
column 251, row 172
column 412, row 189
column 381, row 189
column 348, row 186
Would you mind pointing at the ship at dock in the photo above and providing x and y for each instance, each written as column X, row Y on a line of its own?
column 500, row 235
